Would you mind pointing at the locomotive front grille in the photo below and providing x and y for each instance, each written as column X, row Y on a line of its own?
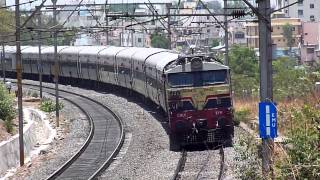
column 209, row 136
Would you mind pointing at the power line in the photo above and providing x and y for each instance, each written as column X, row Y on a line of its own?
column 30, row 2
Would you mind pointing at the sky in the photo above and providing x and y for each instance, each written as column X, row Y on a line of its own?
column 11, row 2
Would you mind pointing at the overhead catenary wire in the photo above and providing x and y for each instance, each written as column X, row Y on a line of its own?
column 49, row 37
column 7, row 7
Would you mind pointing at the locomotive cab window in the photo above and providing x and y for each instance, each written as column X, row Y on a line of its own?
column 199, row 78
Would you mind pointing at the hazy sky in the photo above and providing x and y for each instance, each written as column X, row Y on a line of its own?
column 11, row 2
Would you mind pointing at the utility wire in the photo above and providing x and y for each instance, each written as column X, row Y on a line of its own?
column 30, row 2
column 67, row 19
column 49, row 37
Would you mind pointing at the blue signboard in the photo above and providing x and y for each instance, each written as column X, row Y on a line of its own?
column 267, row 120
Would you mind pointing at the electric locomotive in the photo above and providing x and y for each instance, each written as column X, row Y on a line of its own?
column 199, row 100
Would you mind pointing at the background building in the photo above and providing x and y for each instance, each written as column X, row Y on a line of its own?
column 278, row 37
column 310, row 52
column 307, row 10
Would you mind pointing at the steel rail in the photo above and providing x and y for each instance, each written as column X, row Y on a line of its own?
column 183, row 159
column 57, row 174
column 222, row 167
column 180, row 165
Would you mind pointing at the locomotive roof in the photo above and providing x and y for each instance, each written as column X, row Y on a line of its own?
column 207, row 66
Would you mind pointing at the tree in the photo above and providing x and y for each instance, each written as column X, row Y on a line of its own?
column 159, row 41
column 215, row 42
column 287, row 33
column 236, row 4
column 28, row 34
column 243, row 61
column 215, row 5
column 290, row 82
column 64, row 37
column 7, row 110
column 7, row 25
column 244, row 70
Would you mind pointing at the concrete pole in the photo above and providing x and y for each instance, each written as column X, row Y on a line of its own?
column 56, row 63
column 169, row 25
column 226, row 33
column 19, row 82
column 265, row 50
column 107, row 23
column 3, row 62
column 39, row 58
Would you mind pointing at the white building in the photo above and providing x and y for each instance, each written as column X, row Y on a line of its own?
column 307, row 10
column 136, row 39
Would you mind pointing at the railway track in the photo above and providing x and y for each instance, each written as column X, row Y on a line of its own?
column 195, row 165
column 102, row 145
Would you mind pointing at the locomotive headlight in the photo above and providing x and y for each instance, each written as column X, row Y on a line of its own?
column 202, row 123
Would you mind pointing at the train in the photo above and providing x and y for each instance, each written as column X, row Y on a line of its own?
column 194, row 91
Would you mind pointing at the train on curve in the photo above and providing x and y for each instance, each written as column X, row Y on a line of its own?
column 194, row 91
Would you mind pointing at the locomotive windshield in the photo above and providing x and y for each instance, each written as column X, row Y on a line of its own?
column 198, row 78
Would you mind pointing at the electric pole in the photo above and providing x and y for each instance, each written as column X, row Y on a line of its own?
column 265, row 50
column 226, row 33
column 39, row 59
column 19, row 82
column 56, row 65
column 169, row 30
column 3, row 62
column 107, row 23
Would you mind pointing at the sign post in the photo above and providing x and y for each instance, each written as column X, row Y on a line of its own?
column 267, row 120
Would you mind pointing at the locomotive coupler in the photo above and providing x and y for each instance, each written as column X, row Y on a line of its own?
column 194, row 129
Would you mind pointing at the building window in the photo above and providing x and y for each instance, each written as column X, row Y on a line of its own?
column 300, row 12
column 208, row 30
column 293, row 28
column 286, row 11
column 310, row 50
column 139, row 40
column 311, row 6
column 312, row 18
column 239, row 35
column 300, row 3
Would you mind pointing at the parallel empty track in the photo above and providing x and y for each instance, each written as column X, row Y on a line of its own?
column 104, row 142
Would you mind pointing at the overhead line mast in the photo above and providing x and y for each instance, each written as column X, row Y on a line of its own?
column 19, row 82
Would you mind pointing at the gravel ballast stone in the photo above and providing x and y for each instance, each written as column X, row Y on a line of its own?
column 146, row 150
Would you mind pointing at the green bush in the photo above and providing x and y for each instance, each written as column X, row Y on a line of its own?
column 48, row 105
column 248, row 164
column 7, row 110
column 8, row 125
column 241, row 115
column 303, row 145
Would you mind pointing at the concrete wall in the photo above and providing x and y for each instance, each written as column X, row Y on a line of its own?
column 9, row 150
